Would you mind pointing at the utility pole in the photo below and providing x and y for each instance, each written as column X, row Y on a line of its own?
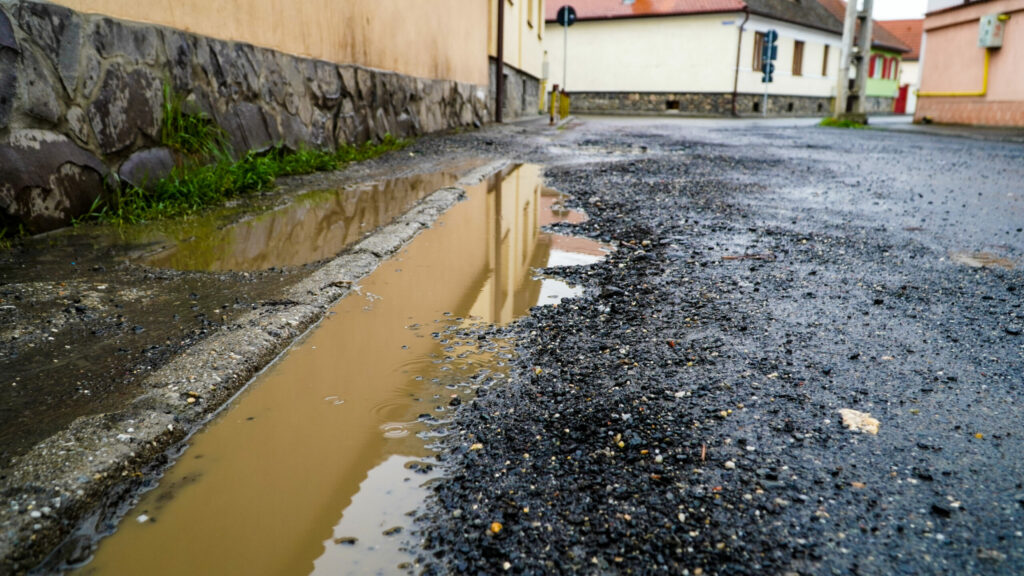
column 864, row 51
column 856, row 52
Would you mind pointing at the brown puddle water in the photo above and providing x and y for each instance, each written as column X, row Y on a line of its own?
column 332, row 442
column 314, row 226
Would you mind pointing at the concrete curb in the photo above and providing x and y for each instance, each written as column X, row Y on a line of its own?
column 79, row 480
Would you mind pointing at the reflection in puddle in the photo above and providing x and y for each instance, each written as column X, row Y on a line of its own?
column 314, row 226
column 981, row 260
column 316, row 467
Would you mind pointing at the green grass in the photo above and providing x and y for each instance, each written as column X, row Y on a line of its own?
column 191, row 133
column 837, row 123
column 209, row 174
column 192, row 188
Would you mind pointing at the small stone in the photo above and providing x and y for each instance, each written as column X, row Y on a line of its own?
column 496, row 527
column 859, row 421
column 477, row 446
column 142, row 519
column 730, row 465
column 346, row 540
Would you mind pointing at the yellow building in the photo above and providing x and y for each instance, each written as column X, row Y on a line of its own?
column 523, row 53
column 86, row 94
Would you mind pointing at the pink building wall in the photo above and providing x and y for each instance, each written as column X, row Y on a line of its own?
column 952, row 61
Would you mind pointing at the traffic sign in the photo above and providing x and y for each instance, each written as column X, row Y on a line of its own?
column 566, row 16
column 769, row 50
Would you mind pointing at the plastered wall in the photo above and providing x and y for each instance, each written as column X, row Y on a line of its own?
column 440, row 39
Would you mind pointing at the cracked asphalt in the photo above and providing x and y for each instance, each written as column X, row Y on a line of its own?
column 683, row 416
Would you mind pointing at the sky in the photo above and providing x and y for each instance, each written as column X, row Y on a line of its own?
column 899, row 9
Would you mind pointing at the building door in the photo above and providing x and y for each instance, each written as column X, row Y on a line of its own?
column 900, row 106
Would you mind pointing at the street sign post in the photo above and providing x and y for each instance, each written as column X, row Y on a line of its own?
column 566, row 17
column 769, row 52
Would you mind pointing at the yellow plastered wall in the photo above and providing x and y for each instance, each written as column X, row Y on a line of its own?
column 524, row 34
column 442, row 39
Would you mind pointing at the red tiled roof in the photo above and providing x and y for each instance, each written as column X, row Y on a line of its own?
column 608, row 9
column 909, row 32
column 881, row 37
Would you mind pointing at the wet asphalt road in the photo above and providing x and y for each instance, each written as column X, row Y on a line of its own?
column 683, row 416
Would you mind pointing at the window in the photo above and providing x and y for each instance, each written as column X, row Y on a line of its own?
column 824, row 62
column 758, row 47
column 798, row 58
column 873, row 66
column 894, row 71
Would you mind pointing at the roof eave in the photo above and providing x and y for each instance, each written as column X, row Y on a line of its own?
column 804, row 24
column 636, row 16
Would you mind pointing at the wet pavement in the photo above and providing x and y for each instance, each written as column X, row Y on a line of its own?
column 678, row 411
column 684, row 416
column 88, row 312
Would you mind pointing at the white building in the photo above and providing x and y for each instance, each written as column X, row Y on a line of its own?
column 701, row 58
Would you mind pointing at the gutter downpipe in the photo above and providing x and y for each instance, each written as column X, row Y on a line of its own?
column 736, row 75
column 499, row 68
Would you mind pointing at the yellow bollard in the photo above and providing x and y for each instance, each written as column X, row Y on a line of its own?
column 563, row 108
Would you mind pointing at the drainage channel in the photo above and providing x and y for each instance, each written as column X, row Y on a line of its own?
column 319, row 465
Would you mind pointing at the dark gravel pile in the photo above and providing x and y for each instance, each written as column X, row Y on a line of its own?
column 683, row 417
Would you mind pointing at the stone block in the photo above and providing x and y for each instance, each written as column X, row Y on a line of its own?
column 326, row 85
column 322, row 130
column 146, row 167
column 127, row 106
column 180, row 55
column 348, row 81
column 39, row 88
column 58, row 32
column 139, row 44
column 46, row 180
column 8, row 85
column 294, row 134
column 7, row 38
column 79, row 125
column 365, row 81
column 253, row 125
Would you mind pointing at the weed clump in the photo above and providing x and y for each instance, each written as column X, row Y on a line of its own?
column 208, row 174
column 841, row 123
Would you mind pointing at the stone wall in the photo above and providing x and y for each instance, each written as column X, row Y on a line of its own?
column 522, row 92
column 697, row 104
column 878, row 105
column 81, row 101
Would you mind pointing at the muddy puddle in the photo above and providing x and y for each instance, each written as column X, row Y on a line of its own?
column 312, row 227
column 319, row 464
